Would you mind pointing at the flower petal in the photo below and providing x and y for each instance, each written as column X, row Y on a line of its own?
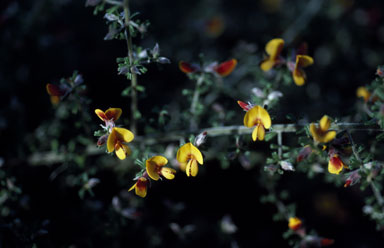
column 159, row 160
column 303, row 60
column 168, row 173
column 325, row 123
column 100, row 113
column 54, row 90
column 151, row 169
column 330, row 135
column 274, row 47
column 267, row 64
column 124, row 134
column 265, row 118
column 254, row 133
column 113, row 113
column 251, row 117
column 335, row 165
column 121, row 151
column 192, row 168
column 225, row 68
column 141, row 187
column 133, row 186
column 112, row 139
column 299, row 77
column 364, row 93
column 187, row 67
column 294, row 223
column 261, row 133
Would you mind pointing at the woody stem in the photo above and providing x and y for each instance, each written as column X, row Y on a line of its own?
column 128, row 37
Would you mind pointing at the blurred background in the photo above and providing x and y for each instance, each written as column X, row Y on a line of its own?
column 45, row 40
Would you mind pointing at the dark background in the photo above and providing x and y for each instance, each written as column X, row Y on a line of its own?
column 42, row 41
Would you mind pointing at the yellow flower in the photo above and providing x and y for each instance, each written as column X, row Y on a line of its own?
column 155, row 168
column 335, row 164
column 364, row 93
column 298, row 74
column 140, row 187
column 321, row 133
column 273, row 49
column 259, row 117
column 294, row 223
column 115, row 141
column 112, row 114
column 188, row 156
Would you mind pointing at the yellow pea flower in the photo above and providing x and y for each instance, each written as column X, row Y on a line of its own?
column 140, row 187
column 258, row 117
column 188, row 157
column 364, row 93
column 155, row 168
column 294, row 223
column 115, row 141
column 298, row 74
column 321, row 133
column 335, row 164
column 273, row 49
column 111, row 114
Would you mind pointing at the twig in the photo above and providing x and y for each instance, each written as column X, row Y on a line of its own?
column 112, row 2
column 128, row 37
column 195, row 100
column 47, row 158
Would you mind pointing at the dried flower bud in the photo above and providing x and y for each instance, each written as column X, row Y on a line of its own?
column 258, row 92
column 78, row 79
column 304, row 153
column 101, row 141
column 274, row 95
column 111, row 17
column 285, row 165
column 380, row 71
column 227, row 226
column 163, row 60
column 200, row 139
column 353, row 178
column 92, row 182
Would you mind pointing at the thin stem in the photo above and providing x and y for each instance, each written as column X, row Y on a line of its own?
column 128, row 37
column 280, row 143
column 195, row 100
column 112, row 2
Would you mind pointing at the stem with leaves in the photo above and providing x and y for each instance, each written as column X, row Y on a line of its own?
column 128, row 37
column 195, row 100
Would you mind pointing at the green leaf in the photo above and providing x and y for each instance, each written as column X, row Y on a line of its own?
column 269, row 136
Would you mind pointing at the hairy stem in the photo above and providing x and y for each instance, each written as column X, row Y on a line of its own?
column 195, row 100
column 128, row 37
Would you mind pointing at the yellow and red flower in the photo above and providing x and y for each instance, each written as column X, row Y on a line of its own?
column 188, row 67
column 335, row 164
column 56, row 92
column 116, row 140
column 140, row 187
column 321, row 133
column 155, row 168
column 294, row 223
column 259, row 118
column 298, row 73
column 188, row 157
column 225, row 68
column 111, row 114
column 273, row 49
column 363, row 93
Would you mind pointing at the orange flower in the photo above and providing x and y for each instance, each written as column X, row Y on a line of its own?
column 294, row 223
column 225, row 68
column 155, row 168
column 259, row 118
column 56, row 92
column 298, row 74
column 273, row 49
column 188, row 157
column 115, row 141
column 140, row 187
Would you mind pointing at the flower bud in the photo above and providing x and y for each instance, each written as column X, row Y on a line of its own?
column 287, row 166
column 200, row 139
column 101, row 141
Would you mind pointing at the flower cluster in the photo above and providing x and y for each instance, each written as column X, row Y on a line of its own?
column 274, row 48
column 115, row 137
